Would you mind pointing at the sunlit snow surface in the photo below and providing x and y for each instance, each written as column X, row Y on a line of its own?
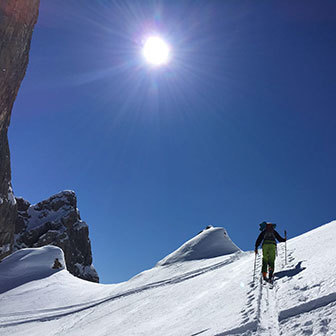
column 198, row 297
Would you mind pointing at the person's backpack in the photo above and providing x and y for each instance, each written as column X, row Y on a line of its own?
column 269, row 235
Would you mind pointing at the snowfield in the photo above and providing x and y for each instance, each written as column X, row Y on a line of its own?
column 204, row 288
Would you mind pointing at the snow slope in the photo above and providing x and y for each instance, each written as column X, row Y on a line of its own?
column 202, row 296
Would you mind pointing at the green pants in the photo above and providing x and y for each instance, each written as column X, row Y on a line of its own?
column 268, row 256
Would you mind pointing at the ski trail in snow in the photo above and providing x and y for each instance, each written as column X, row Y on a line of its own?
column 268, row 317
column 58, row 312
column 268, row 312
column 249, row 315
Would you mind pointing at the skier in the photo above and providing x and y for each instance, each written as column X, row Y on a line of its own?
column 268, row 238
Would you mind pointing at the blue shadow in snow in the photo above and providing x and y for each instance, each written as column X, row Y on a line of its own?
column 291, row 272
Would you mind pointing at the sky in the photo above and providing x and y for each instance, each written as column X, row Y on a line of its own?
column 239, row 126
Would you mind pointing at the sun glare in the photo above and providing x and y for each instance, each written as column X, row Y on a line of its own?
column 156, row 51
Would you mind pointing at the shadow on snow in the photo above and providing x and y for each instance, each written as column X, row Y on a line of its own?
column 291, row 272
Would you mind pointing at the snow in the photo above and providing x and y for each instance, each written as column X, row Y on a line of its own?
column 26, row 265
column 38, row 217
column 86, row 270
column 53, row 210
column 5, row 248
column 190, row 292
column 79, row 225
column 16, row 245
column 10, row 196
column 211, row 242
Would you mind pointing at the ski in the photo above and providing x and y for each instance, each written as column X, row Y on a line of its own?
column 269, row 282
column 264, row 281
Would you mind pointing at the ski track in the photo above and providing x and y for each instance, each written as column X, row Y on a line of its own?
column 266, row 319
column 308, row 306
column 270, row 318
column 37, row 315
column 249, row 314
column 241, row 330
column 268, row 312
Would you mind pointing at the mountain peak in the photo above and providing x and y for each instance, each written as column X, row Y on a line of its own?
column 209, row 243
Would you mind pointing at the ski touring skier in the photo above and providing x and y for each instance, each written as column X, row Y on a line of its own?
column 268, row 238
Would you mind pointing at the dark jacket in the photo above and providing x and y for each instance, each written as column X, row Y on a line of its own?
column 269, row 237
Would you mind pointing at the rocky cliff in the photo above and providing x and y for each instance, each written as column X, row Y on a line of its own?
column 17, row 20
column 56, row 221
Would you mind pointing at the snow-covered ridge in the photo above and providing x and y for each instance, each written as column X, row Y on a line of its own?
column 27, row 265
column 211, row 242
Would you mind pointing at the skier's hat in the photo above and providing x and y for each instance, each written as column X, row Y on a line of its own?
column 262, row 226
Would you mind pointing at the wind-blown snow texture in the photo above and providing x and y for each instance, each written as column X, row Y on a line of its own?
column 211, row 296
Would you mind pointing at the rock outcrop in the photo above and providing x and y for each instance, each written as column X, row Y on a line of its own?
column 17, row 20
column 56, row 221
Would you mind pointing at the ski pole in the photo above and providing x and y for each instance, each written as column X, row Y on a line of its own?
column 286, row 247
column 255, row 263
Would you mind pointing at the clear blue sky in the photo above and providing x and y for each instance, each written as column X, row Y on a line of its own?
column 237, row 129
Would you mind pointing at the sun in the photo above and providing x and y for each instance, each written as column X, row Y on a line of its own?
column 156, row 51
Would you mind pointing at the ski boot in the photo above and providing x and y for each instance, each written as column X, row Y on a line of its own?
column 264, row 276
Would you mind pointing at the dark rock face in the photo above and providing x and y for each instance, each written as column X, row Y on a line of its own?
column 17, row 20
column 56, row 221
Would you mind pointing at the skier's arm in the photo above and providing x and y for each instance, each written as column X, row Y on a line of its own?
column 278, row 237
column 259, row 239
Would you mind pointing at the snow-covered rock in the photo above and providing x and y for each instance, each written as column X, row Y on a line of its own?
column 211, row 242
column 56, row 221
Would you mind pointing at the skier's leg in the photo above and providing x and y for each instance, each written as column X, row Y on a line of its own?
column 271, row 260
column 264, row 261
